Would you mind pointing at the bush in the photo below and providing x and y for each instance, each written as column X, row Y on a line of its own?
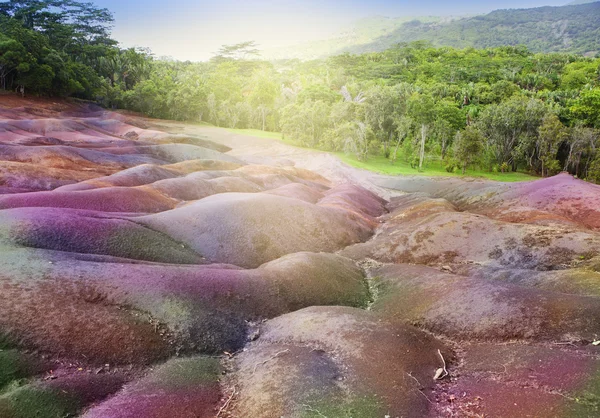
column 414, row 163
column 593, row 174
column 451, row 166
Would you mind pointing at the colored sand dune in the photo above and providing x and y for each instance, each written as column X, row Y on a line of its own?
column 196, row 273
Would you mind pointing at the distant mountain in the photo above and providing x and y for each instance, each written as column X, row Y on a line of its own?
column 571, row 28
column 542, row 29
column 573, row 3
column 362, row 32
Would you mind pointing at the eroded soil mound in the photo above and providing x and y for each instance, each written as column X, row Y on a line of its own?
column 200, row 273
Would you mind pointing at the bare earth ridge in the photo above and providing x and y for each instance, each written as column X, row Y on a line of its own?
column 167, row 270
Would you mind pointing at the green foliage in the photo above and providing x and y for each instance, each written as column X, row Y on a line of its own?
column 578, row 75
column 594, row 170
column 356, row 407
column 53, row 47
column 467, row 146
column 306, row 122
column 551, row 134
column 587, row 108
column 32, row 401
column 10, row 368
column 509, row 128
column 380, row 164
column 358, row 139
column 241, row 51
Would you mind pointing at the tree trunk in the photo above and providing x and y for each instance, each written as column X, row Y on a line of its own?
column 422, row 151
column 543, row 175
column 444, row 147
column 396, row 150
column 569, row 157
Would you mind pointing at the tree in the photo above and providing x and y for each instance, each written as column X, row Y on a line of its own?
column 468, row 144
column 448, row 120
column 306, row 122
column 78, row 28
column 551, row 134
column 509, row 128
column 383, row 108
column 357, row 139
column 86, row 20
column 13, row 57
column 593, row 173
column 316, row 92
column 128, row 66
column 578, row 74
column 242, row 51
column 587, row 108
column 212, row 108
column 404, row 125
column 583, row 143
column 421, row 110
column 264, row 89
column 62, row 39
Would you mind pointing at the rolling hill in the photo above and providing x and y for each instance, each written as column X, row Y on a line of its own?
column 572, row 28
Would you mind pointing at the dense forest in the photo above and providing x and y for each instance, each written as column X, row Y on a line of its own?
column 498, row 109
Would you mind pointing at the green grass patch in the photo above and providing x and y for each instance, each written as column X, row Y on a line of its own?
column 10, row 367
column 359, row 407
column 36, row 402
column 587, row 401
column 185, row 373
column 382, row 165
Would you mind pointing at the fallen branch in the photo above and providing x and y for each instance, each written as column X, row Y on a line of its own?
column 441, row 372
column 269, row 359
column 419, row 388
column 566, row 343
column 226, row 404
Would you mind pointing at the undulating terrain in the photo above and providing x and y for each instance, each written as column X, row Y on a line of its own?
column 155, row 269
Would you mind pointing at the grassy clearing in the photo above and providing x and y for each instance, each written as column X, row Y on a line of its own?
column 380, row 164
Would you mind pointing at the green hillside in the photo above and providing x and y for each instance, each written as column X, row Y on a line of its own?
column 573, row 3
column 571, row 28
column 362, row 32
column 543, row 29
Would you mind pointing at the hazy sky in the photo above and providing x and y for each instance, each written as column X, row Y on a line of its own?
column 194, row 29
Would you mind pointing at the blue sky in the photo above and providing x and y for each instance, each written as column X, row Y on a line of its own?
column 188, row 29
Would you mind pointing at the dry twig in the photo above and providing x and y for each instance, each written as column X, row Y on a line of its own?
column 441, row 372
column 226, row 404
column 419, row 388
column 269, row 359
